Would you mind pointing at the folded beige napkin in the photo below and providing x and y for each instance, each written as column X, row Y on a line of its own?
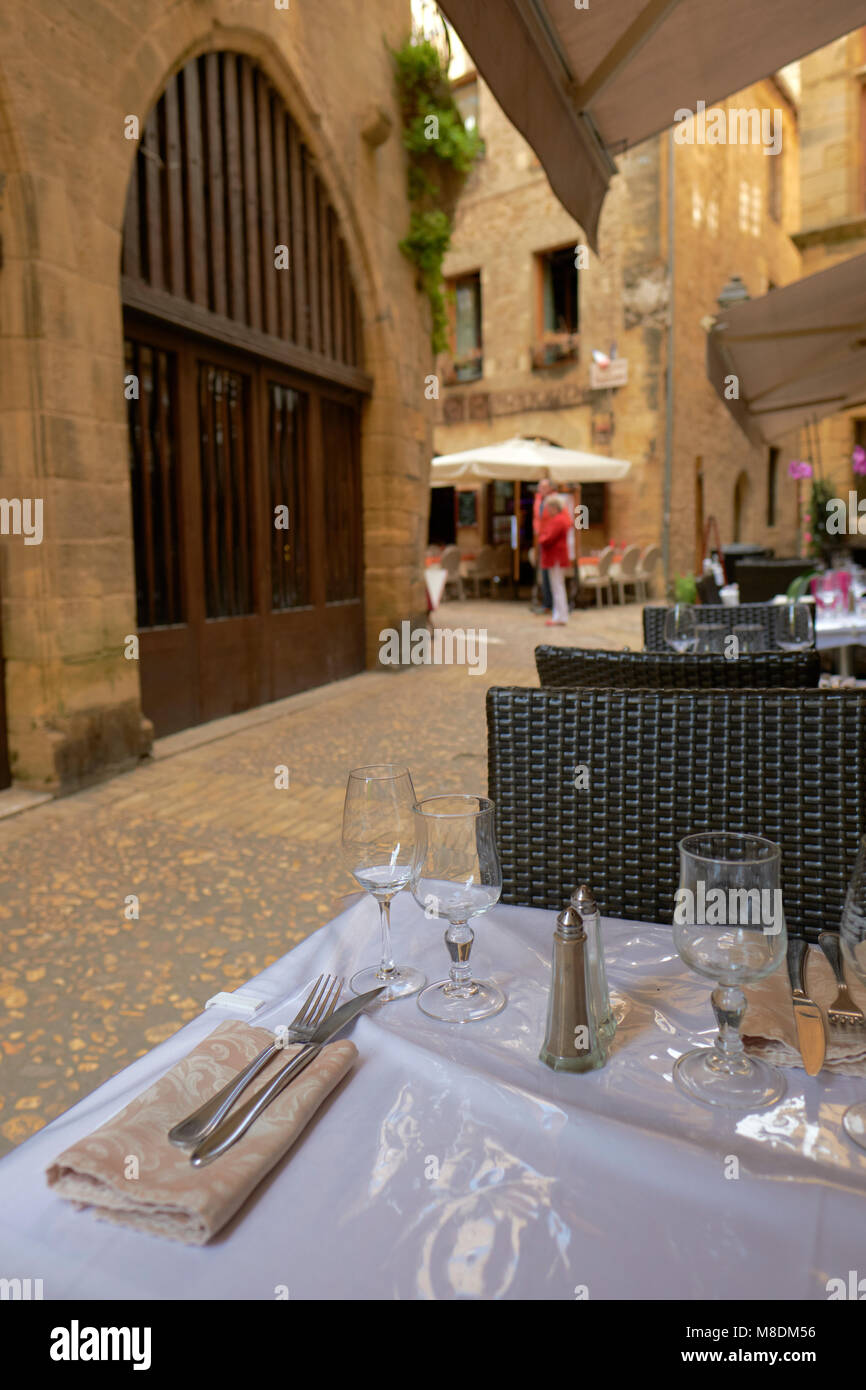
column 769, row 1030
column 129, row 1173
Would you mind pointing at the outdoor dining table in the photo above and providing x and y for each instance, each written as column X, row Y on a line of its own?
column 452, row 1164
column 842, row 633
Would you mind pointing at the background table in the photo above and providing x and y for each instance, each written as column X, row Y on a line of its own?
column 842, row 634
column 453, row 1164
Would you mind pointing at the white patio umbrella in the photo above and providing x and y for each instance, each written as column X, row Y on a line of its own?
column 524, row 460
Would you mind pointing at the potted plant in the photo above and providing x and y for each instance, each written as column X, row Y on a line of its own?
column 821, row 542
column 685, row 588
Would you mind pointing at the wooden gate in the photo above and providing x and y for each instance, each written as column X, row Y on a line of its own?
column 244, row 392
column 5, row 773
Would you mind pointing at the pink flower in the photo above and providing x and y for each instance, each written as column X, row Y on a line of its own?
column 799, row 469
column 858, row 459
column 807, row 537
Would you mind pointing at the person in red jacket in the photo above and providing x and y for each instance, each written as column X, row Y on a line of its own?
column 553, row 539
column 542, row 597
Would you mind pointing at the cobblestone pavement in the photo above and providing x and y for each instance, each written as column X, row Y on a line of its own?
column 229, row 871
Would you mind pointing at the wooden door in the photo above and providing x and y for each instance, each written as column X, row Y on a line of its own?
column 161, row 520
column 5, row 774
column 244, row 379
column 234, row 608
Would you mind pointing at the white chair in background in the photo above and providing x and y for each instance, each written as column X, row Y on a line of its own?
column 599, row 579
column 645, row 572
column 624, row 575
column 450, row 562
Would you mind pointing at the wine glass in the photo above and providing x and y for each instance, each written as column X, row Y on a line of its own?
column 680, row 627
column 456, row 876
column 852, row 933
column 827, row 593
column 729, row 926
column 710, row 639
column 794, row 627
column 750, row 638
column 378, row 848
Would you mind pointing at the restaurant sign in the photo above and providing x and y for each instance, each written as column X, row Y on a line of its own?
column 614, row 374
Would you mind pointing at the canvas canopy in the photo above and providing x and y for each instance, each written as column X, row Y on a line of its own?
column 525, row 460
column 584, row 81
column 795, row 354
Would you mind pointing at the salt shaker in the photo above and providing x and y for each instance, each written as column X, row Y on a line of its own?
column 572, row 1040
column 586, row 905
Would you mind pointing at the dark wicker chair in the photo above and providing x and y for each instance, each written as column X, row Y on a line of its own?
column 761, row 580
column 571, row 666
column 788, row 764
column 729, row 618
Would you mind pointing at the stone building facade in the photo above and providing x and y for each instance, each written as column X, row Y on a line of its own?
column 70, row 79
column 646, row 294
column 833, row 207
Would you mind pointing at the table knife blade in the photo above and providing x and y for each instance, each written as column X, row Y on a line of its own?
column 238, row 1121
column 811, row 1035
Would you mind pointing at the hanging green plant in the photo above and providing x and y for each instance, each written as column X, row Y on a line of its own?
column 441, row 154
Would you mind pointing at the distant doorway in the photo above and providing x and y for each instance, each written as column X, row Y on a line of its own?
column 443, row 520
column 742, row 489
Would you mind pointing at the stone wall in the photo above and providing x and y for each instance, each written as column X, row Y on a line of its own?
column 508, row 213
column 724, row 227
column 68, row 77
column 833, row 226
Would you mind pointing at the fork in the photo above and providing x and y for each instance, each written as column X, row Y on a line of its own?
column 843, row 1012
column 319, row 1004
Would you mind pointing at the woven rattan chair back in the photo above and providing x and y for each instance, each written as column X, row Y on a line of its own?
column 598, row 786
column 573, row 666
column 715, row 613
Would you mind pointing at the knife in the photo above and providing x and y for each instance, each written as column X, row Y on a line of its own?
column 239, row 1121
column 811, row 1037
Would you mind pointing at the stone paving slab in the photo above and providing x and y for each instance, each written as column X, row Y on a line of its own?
column 229, row 871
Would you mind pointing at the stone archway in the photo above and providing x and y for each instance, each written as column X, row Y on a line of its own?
column 19, row 465
column 394, row 464
column 245, row 381
column 69, row 606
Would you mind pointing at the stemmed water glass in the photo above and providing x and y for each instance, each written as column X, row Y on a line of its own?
column 378, row 849
column 852, row 933
column 456, row 876
column 680, row 627
column 794, row 627
column 732, row 880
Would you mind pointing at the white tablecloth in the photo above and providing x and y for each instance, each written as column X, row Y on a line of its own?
column 846, row 631
column 453, row 1164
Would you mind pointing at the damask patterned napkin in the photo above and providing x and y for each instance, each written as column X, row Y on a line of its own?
column 128, row 1172
column 769, row 1030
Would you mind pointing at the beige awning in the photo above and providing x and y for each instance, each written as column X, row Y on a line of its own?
column 583, row 84
column 525, row 460
column 797, row 353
